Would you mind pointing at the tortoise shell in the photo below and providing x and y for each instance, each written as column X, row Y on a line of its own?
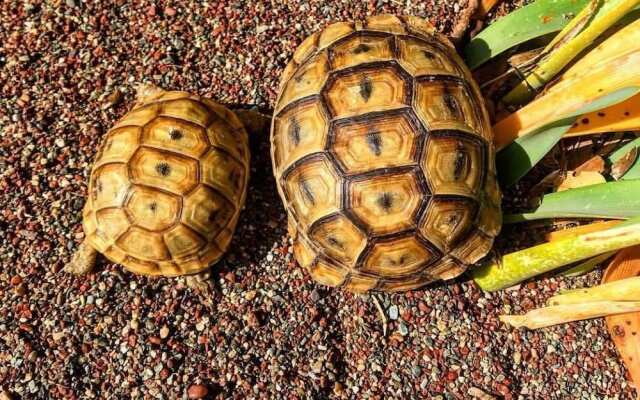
column 383, row 156
column 167, row 185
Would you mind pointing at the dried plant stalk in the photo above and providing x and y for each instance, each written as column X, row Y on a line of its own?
column 622, row 290
column 555, row 315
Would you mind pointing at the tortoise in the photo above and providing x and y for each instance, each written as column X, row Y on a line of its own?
column 166, row 187
column 382, row 153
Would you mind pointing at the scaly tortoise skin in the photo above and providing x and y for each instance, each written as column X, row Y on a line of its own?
column 167, row 186
column 383, row 156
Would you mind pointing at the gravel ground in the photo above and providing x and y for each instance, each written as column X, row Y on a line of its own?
column 67, row 71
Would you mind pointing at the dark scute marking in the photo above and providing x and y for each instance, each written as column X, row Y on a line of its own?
column 400, row 261
column 212, row 215
column 601, row 114
column 451, row 103
column 294, row 131
column 335, row 242
column 366, row 87
column 429, row 55
column 176, row 134
column 627, row 113
column 374, row 140
column 153, row 206
column 361, row 48
column 163, row 169
column 460, row 162
column 385, row 201
column 306, row 190
column 453, row 219
column 585, row 120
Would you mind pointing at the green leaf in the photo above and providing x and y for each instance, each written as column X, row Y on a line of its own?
column 514, row 161
column 534, row 20
column 634, row 171
column 620, row 199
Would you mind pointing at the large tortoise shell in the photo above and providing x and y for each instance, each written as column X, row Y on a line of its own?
column 167, row 185
column 382, row 152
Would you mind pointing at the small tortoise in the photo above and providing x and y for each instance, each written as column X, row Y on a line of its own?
column 382, row 152
column 167, row 187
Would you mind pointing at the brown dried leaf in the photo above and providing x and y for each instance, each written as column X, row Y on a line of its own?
column 624, row 328
column 580, row 179
column 620, row 167
column 525, row 60
column 551, row 181
column 594, row 164
column 580, row 150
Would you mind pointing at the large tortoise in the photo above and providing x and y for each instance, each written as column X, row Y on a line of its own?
column 167, row 187
column 382, row 151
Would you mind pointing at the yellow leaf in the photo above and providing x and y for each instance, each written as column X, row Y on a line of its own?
column 588, row 80
column 624, row 116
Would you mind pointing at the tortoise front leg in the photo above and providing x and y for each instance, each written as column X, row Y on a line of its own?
column 83, row 260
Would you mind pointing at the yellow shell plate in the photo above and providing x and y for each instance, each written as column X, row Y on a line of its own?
column 382, row 152
column 167, row 186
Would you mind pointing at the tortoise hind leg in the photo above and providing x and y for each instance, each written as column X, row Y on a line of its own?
column 200, row 282
column 83, row 260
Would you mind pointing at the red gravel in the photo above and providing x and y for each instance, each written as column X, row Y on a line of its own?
column 67, row 71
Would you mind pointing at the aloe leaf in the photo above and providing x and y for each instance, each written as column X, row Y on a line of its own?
column 587, row 266
column 579, row 34
column 524, row 264
column 515, row 160
column 624, row 116
column 534, row 20
column 634, row 171
column 618, row 200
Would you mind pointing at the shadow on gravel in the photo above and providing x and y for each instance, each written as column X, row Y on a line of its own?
column 262, row 221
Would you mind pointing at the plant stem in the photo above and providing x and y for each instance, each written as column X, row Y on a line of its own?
column 524, row 264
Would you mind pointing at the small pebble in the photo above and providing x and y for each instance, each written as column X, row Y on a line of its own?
column 197, row 391
column 393, row 312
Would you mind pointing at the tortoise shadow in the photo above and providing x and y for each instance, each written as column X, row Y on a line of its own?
column 262, row 219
